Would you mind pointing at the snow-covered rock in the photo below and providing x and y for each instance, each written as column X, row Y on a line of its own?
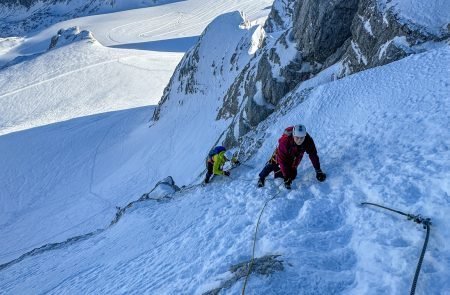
column 280, row 17
column 70, row 35
column 306, row 37
column 208, row 69
column 163, row 189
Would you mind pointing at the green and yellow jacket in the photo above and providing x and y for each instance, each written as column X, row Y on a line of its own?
column 218, row 161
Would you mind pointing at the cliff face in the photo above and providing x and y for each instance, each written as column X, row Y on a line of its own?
column 300, row 39
column 309, row 36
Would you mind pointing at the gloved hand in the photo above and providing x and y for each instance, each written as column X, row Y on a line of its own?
column 236, row 162
column 226, row 173
column 287, row 183
column 320, row 175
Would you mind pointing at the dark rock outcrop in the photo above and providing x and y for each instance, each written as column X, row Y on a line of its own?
column 322, row 26
column 298, row 40
column 355, row 34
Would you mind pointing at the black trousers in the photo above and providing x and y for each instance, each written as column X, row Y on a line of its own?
column 274, row 167
column 209, row 169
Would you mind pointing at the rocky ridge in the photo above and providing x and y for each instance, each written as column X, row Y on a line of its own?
column 298, row 40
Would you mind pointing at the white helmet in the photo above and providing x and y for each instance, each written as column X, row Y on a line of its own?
column 228, row 155
column 299, row 130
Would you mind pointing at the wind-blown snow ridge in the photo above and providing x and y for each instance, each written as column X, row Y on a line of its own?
column 162, row 191
column 51, row 247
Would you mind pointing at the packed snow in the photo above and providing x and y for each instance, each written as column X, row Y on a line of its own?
column 72, row 155
column 393, row 150
column 433, row 17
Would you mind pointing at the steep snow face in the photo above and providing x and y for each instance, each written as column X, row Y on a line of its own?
column 430, row 17
column 50, row 179
column 209, row 68
column 382, row 136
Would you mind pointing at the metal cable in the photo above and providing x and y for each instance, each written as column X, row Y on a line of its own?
column 426, row 224
column 419, row 264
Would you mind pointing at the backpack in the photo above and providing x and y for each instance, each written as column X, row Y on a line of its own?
column 215, row 151
column 288, row 131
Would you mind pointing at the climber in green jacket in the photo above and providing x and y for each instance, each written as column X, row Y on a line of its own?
column 217, row 157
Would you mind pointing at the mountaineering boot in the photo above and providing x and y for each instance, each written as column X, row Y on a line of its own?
column 261, row 182
column 207, row 179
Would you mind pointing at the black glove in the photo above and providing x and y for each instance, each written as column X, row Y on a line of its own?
column 287, row 183
column 226, row 173
column 237, row 162
column 320, row 175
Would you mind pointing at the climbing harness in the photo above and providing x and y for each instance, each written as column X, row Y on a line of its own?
column 254, row 239
column 426, row 222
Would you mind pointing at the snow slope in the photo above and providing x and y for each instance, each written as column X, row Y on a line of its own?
column 432, row 17
column 75, row 141
column 78, row 80
column 382, row 136
column 129, row 67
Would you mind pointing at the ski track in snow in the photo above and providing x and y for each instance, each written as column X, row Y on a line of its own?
column 36, row 83
column 178, row 23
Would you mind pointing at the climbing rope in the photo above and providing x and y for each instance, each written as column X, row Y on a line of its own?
column 426, row 222
column 254, row 240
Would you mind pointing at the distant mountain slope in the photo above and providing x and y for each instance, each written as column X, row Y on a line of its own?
column 85, row 78
column 18, row 17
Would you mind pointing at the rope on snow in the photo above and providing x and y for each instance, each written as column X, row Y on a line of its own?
column 254, row 240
